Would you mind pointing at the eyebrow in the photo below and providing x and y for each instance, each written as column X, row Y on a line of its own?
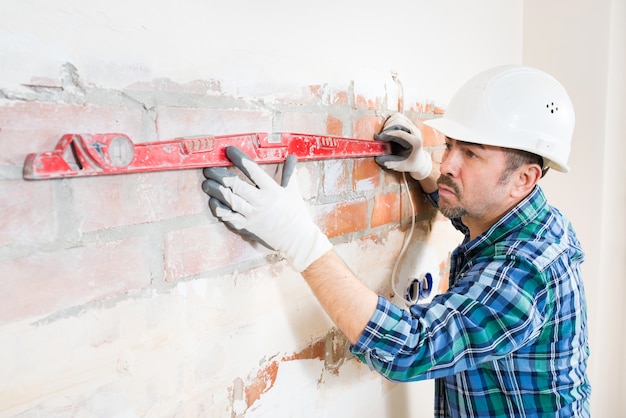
column 465, row 143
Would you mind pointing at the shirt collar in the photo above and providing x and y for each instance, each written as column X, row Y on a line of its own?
column 522, row 214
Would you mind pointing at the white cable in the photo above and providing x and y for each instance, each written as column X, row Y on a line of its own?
column 407, row 237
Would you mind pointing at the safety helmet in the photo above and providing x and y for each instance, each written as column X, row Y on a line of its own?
column 514, row 107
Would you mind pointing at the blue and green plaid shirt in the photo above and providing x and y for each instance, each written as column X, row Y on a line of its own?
column 509, row 336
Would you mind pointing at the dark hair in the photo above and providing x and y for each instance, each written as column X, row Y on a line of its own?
column 516, row 158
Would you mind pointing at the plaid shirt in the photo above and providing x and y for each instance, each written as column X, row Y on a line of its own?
column 509, row 337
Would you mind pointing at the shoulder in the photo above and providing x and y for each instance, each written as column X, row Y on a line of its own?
column 541, row 241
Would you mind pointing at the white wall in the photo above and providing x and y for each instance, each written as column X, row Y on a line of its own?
column 275, row 47
column 583, row 44
column 255, row 49
column 259, row 48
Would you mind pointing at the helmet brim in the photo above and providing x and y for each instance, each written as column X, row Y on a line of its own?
column 455, row 130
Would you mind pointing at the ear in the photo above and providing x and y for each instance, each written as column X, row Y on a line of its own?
column 525, row 180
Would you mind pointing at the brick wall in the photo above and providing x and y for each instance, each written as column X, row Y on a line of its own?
column 123, row 296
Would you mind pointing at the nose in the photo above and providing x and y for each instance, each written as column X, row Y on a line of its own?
column 450, row 162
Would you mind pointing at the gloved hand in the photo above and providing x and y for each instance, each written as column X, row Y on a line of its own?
column 406, row 147
column 272, row 214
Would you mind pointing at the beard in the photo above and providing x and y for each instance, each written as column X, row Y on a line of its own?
column 451, row 212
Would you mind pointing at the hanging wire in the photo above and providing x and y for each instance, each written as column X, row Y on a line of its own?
column 405, row 243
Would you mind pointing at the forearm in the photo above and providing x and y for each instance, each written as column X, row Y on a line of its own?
column 349, row 303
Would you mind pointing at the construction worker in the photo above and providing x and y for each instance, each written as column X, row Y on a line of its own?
column 509, row 336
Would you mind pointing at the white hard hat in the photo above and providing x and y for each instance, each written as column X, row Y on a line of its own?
column 513, row 107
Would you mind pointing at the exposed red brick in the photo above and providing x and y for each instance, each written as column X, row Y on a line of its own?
column 429, row 136
column 316, row 350
column 386, row 209
column 340, row 98
column 315, row 90
column 444, row 274
column 332, row 349
column 366, row 127
column 343, row 217
column 334, row 126
column 391, row 177
column 422, row 207
column 361, row 102
column 365, row 174
column 261, row 383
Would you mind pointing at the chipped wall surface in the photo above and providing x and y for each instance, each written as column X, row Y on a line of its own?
column 262, row 48
column 122, row 296
column 125, row 297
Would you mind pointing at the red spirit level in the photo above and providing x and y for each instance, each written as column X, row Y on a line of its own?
column 113, row 153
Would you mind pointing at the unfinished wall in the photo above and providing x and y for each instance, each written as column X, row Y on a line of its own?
column 122, row 295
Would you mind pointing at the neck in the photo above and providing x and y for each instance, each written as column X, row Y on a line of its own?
column 478, row 225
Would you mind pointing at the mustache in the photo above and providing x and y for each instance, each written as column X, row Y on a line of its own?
column 448, row 182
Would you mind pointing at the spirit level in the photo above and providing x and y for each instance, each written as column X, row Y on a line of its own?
column 78, row 155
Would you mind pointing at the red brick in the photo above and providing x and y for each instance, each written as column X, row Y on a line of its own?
column 43, row 283
column 361, row 102
column 334, row 98
column 334, row 126
column 316, row 90
column 204, row 248
column 343, row 217
column 393, row 177
column 28, row 213
column 386, row 209
column 417, row 107
column 429, row 136
column 112, row 201
column 427, row 107
column 422, row 207
column 366, row 174
column 29, row 127
column 366, row 127
column 340, row 98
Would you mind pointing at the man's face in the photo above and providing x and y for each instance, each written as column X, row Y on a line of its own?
column 472, row 183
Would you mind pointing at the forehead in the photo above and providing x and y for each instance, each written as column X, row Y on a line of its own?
column 472, row 144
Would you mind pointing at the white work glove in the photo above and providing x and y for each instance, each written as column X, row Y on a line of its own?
column 272, row 214
column 406, row 148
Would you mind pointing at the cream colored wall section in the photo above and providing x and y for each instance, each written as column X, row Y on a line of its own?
column 213, row 344
column 583, row 44
column 262, row 48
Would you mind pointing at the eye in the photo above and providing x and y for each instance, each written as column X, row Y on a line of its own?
column 471, row 154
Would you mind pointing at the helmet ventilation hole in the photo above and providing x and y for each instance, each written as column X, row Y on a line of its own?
column 552, row 107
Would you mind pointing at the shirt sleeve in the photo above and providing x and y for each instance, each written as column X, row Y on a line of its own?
column 496, row 307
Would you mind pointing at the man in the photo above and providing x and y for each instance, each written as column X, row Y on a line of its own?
column 509, row 336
